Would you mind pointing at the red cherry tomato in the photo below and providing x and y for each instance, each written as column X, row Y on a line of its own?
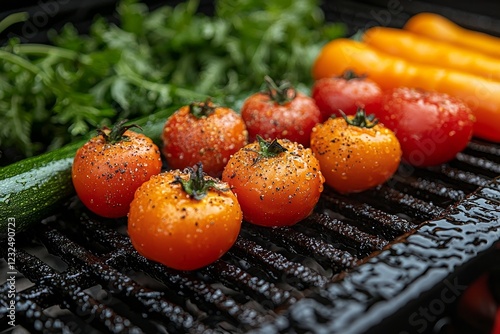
column 109, row 168
column 431, row 127
column 347, row 92
column 496, row 326
column 476, row 305
column 281, row 112
column 203, row 132
column 184, row 219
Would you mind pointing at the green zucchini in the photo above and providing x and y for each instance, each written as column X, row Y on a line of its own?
column 35, row 188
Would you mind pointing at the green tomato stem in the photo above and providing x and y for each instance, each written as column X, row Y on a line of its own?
column 361, row 119
column 198, row 184
column 116, row 133
column 282, row 93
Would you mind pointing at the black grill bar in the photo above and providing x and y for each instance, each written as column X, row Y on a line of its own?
column 479, row 164
column 483, row 149
column 152, row 302
column 369, row 218
column 29, row 309
column 299, row 243
column 428, row 189
column 465, row 179
column 404, row 202
column 208, row 298
column 70, row 286
column 301, row 276
column 359, row 243
column 265, row 291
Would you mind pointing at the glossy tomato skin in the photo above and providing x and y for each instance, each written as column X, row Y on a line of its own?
column 210, row 139
column 275, row 191
column 432, row 127
column 352, row 158
column 168, row 226
column 340, row 93
column 291, row 120
column 106, row 175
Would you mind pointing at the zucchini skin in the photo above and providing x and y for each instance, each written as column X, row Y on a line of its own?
column 35, row 188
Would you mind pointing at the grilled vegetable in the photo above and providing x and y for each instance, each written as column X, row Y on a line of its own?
column 440, row 28
column 432, row 127
column 277, row 182
column 421, row 49
column 280, row 112
column 184, row 219
column 482, row 95
column 354, row 152
column 203, row 132
column 109, row 168
column 35, row 188
column 345, row 93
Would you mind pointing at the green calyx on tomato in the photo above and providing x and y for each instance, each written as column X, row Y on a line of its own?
column 268, row 149
column 280, row 93
column 198, row 183
column 200, row 109
column 116, row 134
column 350, row 74
column 361, row 119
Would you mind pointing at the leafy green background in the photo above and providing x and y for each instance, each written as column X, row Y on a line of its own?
column 53, row 94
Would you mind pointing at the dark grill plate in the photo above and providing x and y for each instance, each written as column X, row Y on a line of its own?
column 394, row 259
column 358, row 263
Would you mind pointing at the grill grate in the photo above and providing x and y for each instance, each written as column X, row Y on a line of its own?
column 83, row 275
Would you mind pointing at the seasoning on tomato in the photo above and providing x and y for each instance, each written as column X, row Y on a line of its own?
column 184, row 219
column 280, row 112
column 203, row 132
column 277, row 182
column 355, row 152
column 432, row 127
column 109, row 168
column 346, row 92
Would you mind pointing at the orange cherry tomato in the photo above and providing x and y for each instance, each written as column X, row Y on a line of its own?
column 203, row 132
column 354, row 152
column 277, row 182
column 184, row 219
column 111, row 166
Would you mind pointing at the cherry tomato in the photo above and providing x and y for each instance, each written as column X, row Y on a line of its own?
column 184, row 219
column 277, row 182
column 347, row 92
column 203, row 132
column 496, row 326
column 111, row 166
column 477, row 306
column 281, row 112
column 432, row 127
column 354, row 152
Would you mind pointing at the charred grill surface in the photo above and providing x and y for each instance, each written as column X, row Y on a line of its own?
column 355, row 251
